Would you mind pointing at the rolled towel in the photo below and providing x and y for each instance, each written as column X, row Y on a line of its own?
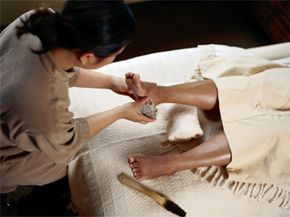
column 183, row 123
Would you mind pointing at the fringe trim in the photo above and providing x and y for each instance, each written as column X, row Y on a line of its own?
column 271, row 193
column 216, row 176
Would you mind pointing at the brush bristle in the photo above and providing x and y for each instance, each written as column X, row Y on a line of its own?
column 173, row 207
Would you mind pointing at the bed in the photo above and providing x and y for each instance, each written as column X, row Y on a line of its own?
column 202, row 192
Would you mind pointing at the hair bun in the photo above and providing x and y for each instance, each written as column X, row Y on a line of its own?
column 58, row 17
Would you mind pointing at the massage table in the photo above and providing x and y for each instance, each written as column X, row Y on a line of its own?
column 204, row 191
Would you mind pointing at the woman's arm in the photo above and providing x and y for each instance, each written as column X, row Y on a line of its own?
column 129, row 111
column 91, row 79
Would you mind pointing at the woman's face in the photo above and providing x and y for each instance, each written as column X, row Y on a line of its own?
column 90, row 61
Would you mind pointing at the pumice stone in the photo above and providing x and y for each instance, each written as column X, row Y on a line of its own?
column 149, row 110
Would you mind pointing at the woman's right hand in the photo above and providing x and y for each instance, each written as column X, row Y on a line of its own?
column 129, row 111
column 132, row 112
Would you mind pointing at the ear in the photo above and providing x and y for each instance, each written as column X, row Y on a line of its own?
column 88, row 58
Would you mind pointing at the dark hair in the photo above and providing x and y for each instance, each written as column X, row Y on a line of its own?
column 99, row 27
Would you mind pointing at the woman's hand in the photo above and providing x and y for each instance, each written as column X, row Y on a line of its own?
column 131, row 112
column 119, row 86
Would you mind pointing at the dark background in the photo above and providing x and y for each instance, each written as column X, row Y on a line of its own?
column 167, row 25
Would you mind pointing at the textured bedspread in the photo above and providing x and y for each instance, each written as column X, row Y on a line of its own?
column 202, row 192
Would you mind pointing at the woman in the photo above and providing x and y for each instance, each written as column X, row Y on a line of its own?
column 43, row 53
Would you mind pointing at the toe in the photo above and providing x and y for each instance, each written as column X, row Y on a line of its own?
column 134, row 165
column 136, row 170
column 131, row 159
column 137, row 175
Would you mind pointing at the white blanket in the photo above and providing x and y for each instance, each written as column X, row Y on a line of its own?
column 203, row 192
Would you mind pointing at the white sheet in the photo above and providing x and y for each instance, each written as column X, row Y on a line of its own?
column 93, row 174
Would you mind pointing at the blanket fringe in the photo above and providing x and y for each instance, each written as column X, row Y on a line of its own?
column 273, row 194
column 216, row 176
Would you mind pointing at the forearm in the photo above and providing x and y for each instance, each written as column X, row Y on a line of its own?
column 92, row 79
column 101, row 120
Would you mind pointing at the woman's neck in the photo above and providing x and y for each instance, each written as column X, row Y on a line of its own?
column 63, row 58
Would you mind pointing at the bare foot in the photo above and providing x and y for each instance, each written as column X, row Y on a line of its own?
column 140, row 88
column 150, row 167
column 134, row 83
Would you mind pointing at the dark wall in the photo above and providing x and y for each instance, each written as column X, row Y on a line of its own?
column 166, row 25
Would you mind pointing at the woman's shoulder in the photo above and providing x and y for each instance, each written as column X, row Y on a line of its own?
column 21, row 45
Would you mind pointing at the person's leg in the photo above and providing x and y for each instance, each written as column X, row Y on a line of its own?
column 213, row 152
column 202, row 94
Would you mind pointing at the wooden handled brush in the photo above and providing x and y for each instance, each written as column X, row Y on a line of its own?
column 157, row 197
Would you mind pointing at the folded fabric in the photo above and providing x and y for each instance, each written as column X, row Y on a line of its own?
column 183, row 124
column 254, row 103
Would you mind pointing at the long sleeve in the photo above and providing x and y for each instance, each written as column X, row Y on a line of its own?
column 35, row 101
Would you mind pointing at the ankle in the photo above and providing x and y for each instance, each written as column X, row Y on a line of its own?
column 154, row 94
column 172, row 163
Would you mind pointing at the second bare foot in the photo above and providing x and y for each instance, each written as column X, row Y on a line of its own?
column 146, row 167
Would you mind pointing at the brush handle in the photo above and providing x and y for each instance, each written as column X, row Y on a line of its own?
column 132, row 183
